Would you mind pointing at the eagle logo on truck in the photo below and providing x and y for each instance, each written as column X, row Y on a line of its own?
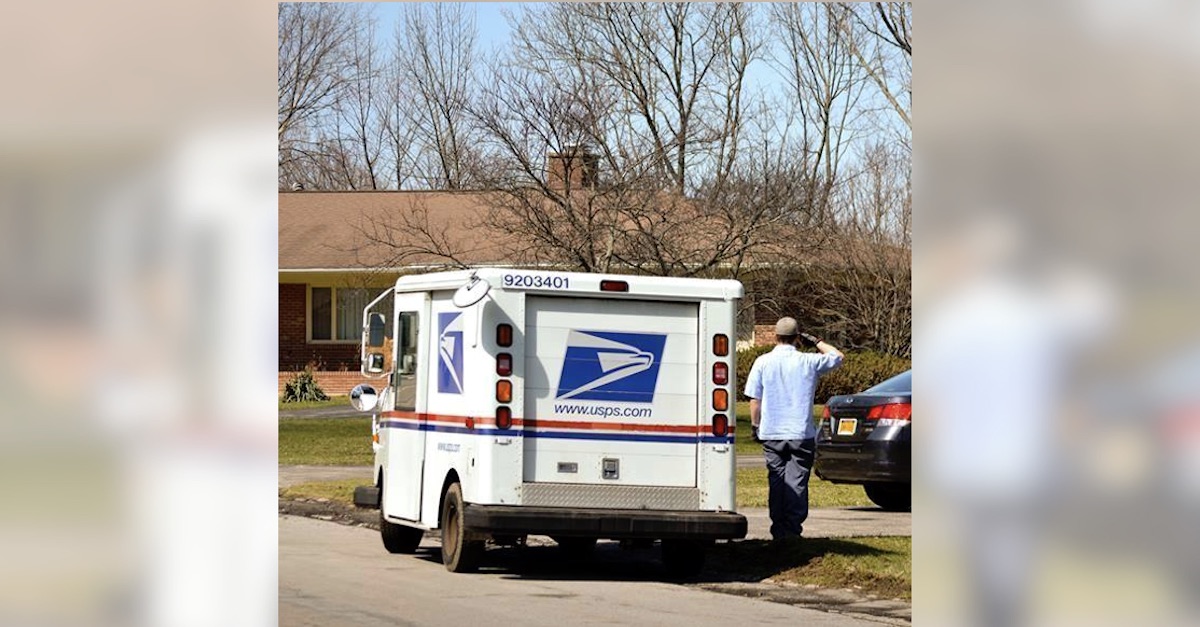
column 611, row 366
column 450, row 353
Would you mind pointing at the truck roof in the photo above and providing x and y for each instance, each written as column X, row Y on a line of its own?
column 583, row 284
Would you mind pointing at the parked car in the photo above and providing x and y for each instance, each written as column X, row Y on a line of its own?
column 866, row 439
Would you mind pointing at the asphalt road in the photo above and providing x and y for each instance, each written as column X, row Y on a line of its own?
column 331, row 574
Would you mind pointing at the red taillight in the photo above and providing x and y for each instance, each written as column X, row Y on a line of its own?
column 825, row 413
column 720, row 345
column 720, row 425
column 720, row 373
column 504, row 391
column 893, row 411
column 504, row 335
column 614, row 286
column 504, row 364
column 720, row 400
column 503, row 417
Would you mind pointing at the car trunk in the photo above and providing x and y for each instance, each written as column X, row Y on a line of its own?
column 848, row 422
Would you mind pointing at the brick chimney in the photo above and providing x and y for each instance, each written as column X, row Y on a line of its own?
column 574, row 164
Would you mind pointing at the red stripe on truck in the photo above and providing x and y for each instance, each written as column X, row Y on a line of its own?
column 490, row 421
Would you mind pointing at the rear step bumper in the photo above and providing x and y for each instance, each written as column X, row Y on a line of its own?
column 604, row 523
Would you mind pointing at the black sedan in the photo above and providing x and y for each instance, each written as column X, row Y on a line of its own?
column 866, row 439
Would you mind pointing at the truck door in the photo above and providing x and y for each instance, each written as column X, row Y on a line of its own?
column 611, row 392
column 404, row 431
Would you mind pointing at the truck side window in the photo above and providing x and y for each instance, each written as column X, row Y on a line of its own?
column 405, row 376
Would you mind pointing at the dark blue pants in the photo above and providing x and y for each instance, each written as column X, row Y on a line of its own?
column 789, row 463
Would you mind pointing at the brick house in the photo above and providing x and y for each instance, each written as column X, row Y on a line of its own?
column 333, row 260
column 335, row 257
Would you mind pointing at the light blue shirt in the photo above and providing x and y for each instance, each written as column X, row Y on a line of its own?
column 784, row 380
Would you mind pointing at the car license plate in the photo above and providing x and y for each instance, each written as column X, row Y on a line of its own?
column 847, row 426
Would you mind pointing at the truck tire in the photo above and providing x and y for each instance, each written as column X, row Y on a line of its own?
column 683, row 558
column 892, row 497
column 459, row 554
column 399, row 538
column 576, row 549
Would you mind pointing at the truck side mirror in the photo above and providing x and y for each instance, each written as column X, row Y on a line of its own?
column 363, row 397
column 375, row 363
column 376, row 330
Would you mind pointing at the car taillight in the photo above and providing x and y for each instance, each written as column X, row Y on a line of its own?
column 720, row 425
column 504, row 364
column 825, row 414
column 891, row 411
column 720, row 373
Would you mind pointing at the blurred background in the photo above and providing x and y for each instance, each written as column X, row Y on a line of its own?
column 1055, row 298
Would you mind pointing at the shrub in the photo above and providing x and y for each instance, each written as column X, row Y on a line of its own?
column 745, row 359
column 303, row 387
column 858, row 372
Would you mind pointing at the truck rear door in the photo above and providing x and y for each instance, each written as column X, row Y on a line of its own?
column 611, row 392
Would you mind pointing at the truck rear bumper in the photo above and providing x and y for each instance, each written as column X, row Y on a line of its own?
column 604, row 523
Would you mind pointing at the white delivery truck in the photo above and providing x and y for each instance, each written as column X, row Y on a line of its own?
column 575, row 406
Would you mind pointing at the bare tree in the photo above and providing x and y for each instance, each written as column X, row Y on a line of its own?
column 617, row 136
column 435, row 62
column 315, row 65
column 411, row 233
column 540, row 131
column 823, row 78
column 399, row 128
column 679, row 69
column 867, row 299
column 879, row 36
column 359, row 118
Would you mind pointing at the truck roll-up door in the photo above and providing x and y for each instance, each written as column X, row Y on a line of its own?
column 611, row 392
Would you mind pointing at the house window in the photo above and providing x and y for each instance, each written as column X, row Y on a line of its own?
column 335, row 313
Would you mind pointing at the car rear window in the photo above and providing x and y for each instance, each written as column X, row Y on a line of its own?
column 899, row 384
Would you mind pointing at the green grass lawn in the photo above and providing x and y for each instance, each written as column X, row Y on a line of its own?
column 326, row 441
column 878, row 566
column 340, row 491
column 334, row 401
column 752, row 491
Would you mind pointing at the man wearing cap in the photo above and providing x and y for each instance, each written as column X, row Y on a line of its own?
column 781, row 386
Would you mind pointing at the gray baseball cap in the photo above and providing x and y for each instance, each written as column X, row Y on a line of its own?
column 787, row 326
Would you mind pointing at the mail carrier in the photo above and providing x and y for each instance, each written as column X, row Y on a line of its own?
column 575, row 406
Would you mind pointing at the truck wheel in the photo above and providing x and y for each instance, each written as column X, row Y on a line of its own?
column 399, row 538
column 892, row 497
column 683, row 558
column 576, row 549
column 459, row 554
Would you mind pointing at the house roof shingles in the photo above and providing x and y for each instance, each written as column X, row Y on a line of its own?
column 344, row 230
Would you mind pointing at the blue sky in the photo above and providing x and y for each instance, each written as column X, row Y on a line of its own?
column 489, row 19
column 494, row 32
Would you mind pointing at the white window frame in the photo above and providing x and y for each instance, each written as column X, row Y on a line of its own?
column 333, row 314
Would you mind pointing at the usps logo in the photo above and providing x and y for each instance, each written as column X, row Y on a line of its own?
column 611, row 366
column 450, row 353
